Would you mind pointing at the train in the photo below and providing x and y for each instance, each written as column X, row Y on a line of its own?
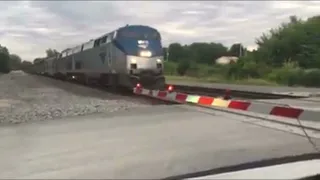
column 126, row 57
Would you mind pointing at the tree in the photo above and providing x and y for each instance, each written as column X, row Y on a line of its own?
column 51, row 52
column 26, row 63
column 297, row 41
column 165, row 53
column 237, row 50
column 4, row 49
column 4, row 60
column 183, row 67
column 176, row 52
column 15, row 61
column 205, row 53
column 294, row 19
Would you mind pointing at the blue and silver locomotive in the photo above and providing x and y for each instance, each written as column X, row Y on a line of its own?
column 125, row 57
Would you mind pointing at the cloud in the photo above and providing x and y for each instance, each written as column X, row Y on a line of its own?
column 28, row 28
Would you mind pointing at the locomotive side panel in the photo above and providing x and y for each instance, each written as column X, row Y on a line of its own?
column 47, row 70
column 91, row 63
column 77, row 62
column 51, row 69
column 40, row 67
column 80, row 62
column 103, row 55
column 83, row 59
column 119, row 60
column 61, row 66
column 47, row 66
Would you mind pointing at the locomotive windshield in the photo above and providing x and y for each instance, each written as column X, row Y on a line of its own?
column 134, row 39
column 139, row 35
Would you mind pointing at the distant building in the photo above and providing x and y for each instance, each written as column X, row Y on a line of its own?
column 226, row 60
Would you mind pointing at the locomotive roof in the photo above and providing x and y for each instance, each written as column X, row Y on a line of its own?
column 121, row 28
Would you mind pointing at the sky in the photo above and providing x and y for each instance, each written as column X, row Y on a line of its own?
column 28, row 28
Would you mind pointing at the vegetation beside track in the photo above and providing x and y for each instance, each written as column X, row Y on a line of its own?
column 214, row 79
column 288, row 55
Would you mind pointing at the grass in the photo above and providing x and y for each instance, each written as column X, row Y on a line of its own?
column 215, row 79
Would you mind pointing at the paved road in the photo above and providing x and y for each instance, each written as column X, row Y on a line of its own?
column 250, row 88
column 147, row 142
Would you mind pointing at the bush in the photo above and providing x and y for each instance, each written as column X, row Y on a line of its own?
column 311, row 78
column 289, row 77
column 206, row 71
column 182, row 68
column 289, row 74
column 194, row 70
column 245, row 68
column 170, row 68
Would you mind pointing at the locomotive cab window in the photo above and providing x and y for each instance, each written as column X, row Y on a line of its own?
column 109, row 38
column 155, row 35
column 96, row 42
column 104, row 40
column 140, row 35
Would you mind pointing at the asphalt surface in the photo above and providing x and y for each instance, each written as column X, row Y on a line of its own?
column 149, row 142
column 251, row 88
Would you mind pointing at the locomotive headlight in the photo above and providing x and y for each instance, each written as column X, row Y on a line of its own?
column 133, row 61
column 159, row 61
column 145, row 53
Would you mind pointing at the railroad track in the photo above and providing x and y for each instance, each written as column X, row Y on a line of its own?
column 310, row 100
column 234, row 93
column 120, row 91
column 240, row 95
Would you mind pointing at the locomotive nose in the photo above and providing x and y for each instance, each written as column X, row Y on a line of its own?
column 145, row 63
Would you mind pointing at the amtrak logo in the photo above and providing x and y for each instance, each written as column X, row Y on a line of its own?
column 143, row 44
column 103, row 57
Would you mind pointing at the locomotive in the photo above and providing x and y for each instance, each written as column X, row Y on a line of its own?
column 129, row 56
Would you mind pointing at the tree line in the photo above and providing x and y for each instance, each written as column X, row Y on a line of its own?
column 203, row 53
column 288, row 54
column 9, row 61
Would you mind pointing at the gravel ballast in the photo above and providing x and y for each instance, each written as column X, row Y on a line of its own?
column 25, row 97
